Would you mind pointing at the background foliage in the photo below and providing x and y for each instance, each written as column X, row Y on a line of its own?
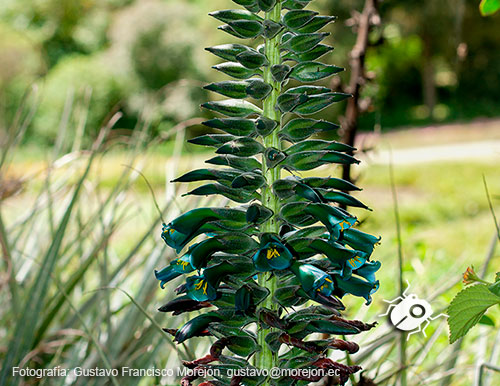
column 434, row 61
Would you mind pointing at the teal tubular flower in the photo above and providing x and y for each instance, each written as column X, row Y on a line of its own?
column 183, row 229
column 335, row 220
column 355, row 262
column 196, row 327
column 355, row 286
column 272, row 255
column 176, row 268
column 368, row 271
column 313, row 279
column 360, row 241
column 198, row 288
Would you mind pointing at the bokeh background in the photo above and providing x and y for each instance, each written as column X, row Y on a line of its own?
column 68, row 68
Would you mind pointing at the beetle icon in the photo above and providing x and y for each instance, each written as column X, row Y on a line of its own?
column 410, row 313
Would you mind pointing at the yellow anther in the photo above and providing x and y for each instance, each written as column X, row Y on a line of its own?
column 198, row 285
column 344, row 224
column 354, row 260
column 183, row 263
column 272, row 252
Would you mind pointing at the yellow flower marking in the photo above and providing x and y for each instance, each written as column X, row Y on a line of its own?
column 344, row 224
column 198, row 286
column 324, row 285
column 354, row 260
column 183, row 263
column 171, row 230
column 272, row 253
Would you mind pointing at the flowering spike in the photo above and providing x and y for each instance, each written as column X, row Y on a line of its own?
column 287, row 242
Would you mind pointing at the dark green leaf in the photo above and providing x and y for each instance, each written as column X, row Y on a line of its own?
column 273, row 157
column 228, row 51
column 222, row 330
column 243, row 300
column 330, row 182
column 280, row 72
column 257, row 214
column 313, row 71
column 251, row 5
column 304, row 42
column 244, row 29
column 258, row 89
column 343, row 198
column 240, row 163
column 265, row 126
column 229, row 15
column 195, row 326
column 308, row 90
column 254, row 88
column 233, row 108
column 305, row 100
column 288, row 296
column 295, row 4
column 233, row 126
column 288, row 102
column 335, row 327
column 271, row 29
column 316, row 53
column 237, row 195
column 252, row 60
column 297, row 18
column 319, row 102
column 266, row 5
column 316, row 24
column 318, row 144
column 212, row 139
column 208, row 174
column 242, row 147
column 308, row 160
column 273, row 342
column 248, row 181
column 314, row 232
column 237, row 70
column 299, row 129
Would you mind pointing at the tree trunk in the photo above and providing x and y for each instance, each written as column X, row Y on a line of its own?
column 357, row 79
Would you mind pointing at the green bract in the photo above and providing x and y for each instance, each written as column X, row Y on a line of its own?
column 286, row 242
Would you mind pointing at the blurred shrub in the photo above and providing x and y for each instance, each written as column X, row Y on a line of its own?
column 20, row 64
column 156, row 43
column 65, row 85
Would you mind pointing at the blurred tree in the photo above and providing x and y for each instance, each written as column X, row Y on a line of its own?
column 439, row 57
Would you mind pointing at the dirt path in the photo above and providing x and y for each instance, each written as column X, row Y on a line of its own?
column 474, row 141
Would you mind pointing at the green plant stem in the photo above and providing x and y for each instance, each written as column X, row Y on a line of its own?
column 402, row 337
column 265, row 358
